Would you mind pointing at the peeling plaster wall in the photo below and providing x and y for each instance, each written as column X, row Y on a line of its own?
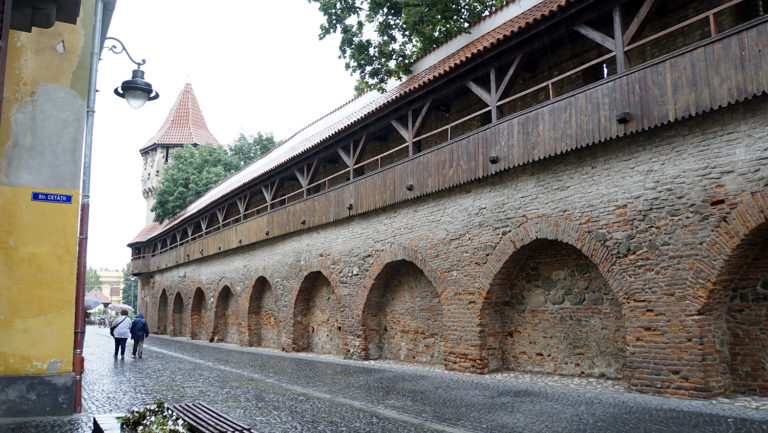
column 41, row 144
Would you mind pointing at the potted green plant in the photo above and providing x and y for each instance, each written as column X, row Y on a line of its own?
column 155, row 418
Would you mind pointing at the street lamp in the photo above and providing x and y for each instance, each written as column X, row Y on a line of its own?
column 137, row 84
column 135, row 91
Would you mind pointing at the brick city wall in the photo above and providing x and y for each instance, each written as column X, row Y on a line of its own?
column 617, row 260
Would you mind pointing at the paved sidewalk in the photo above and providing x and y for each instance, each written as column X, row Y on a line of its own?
column 276, row 392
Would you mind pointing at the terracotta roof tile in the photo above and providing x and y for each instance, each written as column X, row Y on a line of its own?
column 358, row 109
column 96, row 293
column 146, row 232
column 184, row 125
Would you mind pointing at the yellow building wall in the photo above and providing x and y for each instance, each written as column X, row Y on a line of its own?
column 38, row 271
column 41, row 137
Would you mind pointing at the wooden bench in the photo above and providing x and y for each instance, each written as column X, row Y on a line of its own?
column 205, row 419
column 106, row 423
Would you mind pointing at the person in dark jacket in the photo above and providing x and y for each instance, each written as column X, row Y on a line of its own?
column 139, row 331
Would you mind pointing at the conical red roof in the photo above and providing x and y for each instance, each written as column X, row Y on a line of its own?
column 184, row 125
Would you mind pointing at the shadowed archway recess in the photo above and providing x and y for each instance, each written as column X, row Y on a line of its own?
column 317, row 317
column 197, row 315
column 264, row 323
column 403, row 316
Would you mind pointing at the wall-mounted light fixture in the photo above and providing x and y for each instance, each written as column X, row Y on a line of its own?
column 623, row 117
column 135, row 91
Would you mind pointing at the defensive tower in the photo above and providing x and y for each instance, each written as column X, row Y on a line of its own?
column 184, row 125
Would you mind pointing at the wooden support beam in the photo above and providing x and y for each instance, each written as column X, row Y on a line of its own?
column 242, row 202
column 492, row 97
column 402, row 129
column 190, row 228
column 420, row 119
column 301, row 176
column 596, row 36
column 618, row 36
column 409, row 132
column 346, row 157
column 359, row 148
column 615, row 44
column 354, row 154
column 268, row 190
column 220, row 213
column 204, row 222
column 509, row 77
column 305, row 175
column 713, row 31
column 480, row 92
column 639, row 21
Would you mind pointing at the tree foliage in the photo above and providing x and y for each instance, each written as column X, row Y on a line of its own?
column 380, row 39
column 193, row 171
column 92, row 279
column 247, row 149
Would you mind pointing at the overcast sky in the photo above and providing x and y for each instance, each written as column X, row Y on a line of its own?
column 254, row 66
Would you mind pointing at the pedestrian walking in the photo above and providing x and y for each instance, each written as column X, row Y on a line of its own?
column 121, row 330
column 139, row 331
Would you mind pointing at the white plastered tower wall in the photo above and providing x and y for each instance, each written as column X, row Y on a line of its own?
column 152, row 172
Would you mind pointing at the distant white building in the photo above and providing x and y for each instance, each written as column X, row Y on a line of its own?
column 112, row 285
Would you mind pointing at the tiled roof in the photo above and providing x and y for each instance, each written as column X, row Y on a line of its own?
column 358, row 109
column 96, row 293
column 146, row 232
column 184, row 125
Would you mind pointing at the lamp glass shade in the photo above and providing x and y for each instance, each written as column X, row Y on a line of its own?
column 136, row 98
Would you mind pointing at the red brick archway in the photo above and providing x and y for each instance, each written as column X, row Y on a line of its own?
column 162, row 313
column 197, row 314
column 263, row 314
column 177, row 315
column 393, row 255
column 225, row 324
column 728, row 288
column 725, row 249
column 402, row 316
column 566, row 231
column 316, row 313
column 604, row 294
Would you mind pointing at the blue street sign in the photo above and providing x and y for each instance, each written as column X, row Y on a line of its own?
column 52, row 197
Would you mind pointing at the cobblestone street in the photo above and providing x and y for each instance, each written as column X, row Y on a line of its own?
column 277, row 392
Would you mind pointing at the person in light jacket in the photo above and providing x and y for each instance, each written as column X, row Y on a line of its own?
column 139, row 331
column 122, row 332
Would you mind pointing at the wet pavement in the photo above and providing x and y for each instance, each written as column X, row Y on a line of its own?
column 276, row 392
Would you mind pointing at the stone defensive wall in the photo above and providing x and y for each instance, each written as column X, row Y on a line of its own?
column 617, row 230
